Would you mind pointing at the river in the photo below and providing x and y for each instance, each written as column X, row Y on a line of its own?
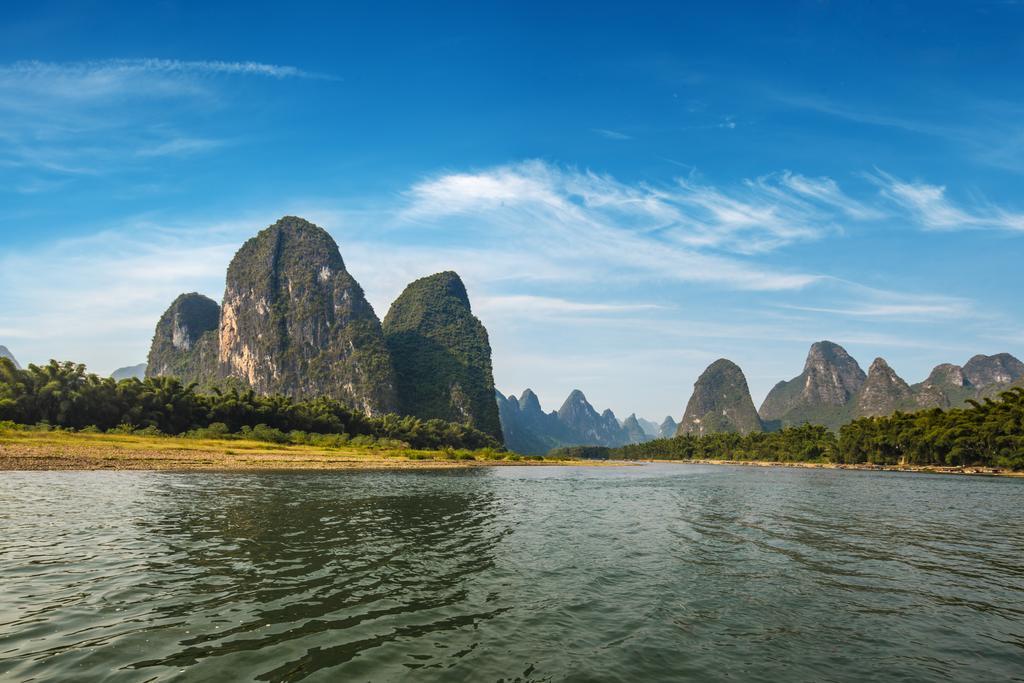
column 647, row 573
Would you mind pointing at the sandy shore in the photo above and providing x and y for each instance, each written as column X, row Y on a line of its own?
column 62, row 451
column 975, row 471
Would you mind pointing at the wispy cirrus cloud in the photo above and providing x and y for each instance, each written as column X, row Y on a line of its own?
column 134, row 78
column 544, row 249
column 180, row 146
column 919, row 308
column 86, row 118
column 546, row 306
column 611, row 134
column 930, row 206
column 989, row 131
column 685, row 221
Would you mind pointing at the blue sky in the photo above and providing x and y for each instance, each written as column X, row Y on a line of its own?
column 630, row 190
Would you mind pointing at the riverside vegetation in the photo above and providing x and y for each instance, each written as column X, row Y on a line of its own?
column 987, row 433
column 64, row 395
column 295, row 354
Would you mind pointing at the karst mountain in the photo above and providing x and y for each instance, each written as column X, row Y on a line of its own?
column 293, row 321
column 720, row 403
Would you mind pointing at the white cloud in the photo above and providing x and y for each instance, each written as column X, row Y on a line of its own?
column 182, row 146
column 681, row 232
column 85, row 118
column 988, row 131
column 523, row 305
column 902, row 311
column 933, row 210
column 611, row 134
column 556, row 260
column 134, row 78
column 826, row 191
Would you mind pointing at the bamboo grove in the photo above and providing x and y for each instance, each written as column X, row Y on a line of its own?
column 64, row 395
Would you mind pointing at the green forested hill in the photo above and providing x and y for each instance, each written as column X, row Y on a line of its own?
column 720, row 402
column 295, row 322
column 441, row 354
column 185, row 341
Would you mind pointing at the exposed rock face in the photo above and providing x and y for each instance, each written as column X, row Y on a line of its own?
column 442, row 355
column 1000, row 370
column 132, row 371
column 947, row 386
column 4, row 353
column 720, row 403
column 883, row 393
column 185, row 342
column 580, row 417
column 668, row 428
column 822, row 394
column 295, row 322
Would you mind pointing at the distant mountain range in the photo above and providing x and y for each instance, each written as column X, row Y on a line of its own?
column 5, row 353
column 528, row 429
column 130, row 372
column 294, row 321
column 833, row 390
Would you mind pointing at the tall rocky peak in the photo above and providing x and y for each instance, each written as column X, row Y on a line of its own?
column 720, row 403
column 634, row 431
column 576, row 406
column 1001, row 369
column 5, row 353
column 442, row 355
column 823, row 393
column 668, row 428
column 947, row 386
column 586, row 424
column 529, row 403
column 883, row 393
column 833, row 377
column 526, row 427
column 295, row 322
column 947, row 374
column 185, row 341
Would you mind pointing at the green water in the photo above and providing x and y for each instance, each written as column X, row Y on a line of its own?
column 663, row 572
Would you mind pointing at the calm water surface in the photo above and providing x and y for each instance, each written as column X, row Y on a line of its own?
column 664, row 572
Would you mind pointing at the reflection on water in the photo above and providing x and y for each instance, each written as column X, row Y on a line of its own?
column 664, row 572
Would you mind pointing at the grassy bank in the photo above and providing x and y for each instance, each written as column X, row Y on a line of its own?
column 60, row 450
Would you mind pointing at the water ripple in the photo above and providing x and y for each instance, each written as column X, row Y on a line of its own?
column 520, row 574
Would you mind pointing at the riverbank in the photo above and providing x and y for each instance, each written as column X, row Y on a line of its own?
column 922, row 469
column 32, row 450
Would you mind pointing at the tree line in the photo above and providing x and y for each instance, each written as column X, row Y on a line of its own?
column 988, row 433
column 63, row 394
